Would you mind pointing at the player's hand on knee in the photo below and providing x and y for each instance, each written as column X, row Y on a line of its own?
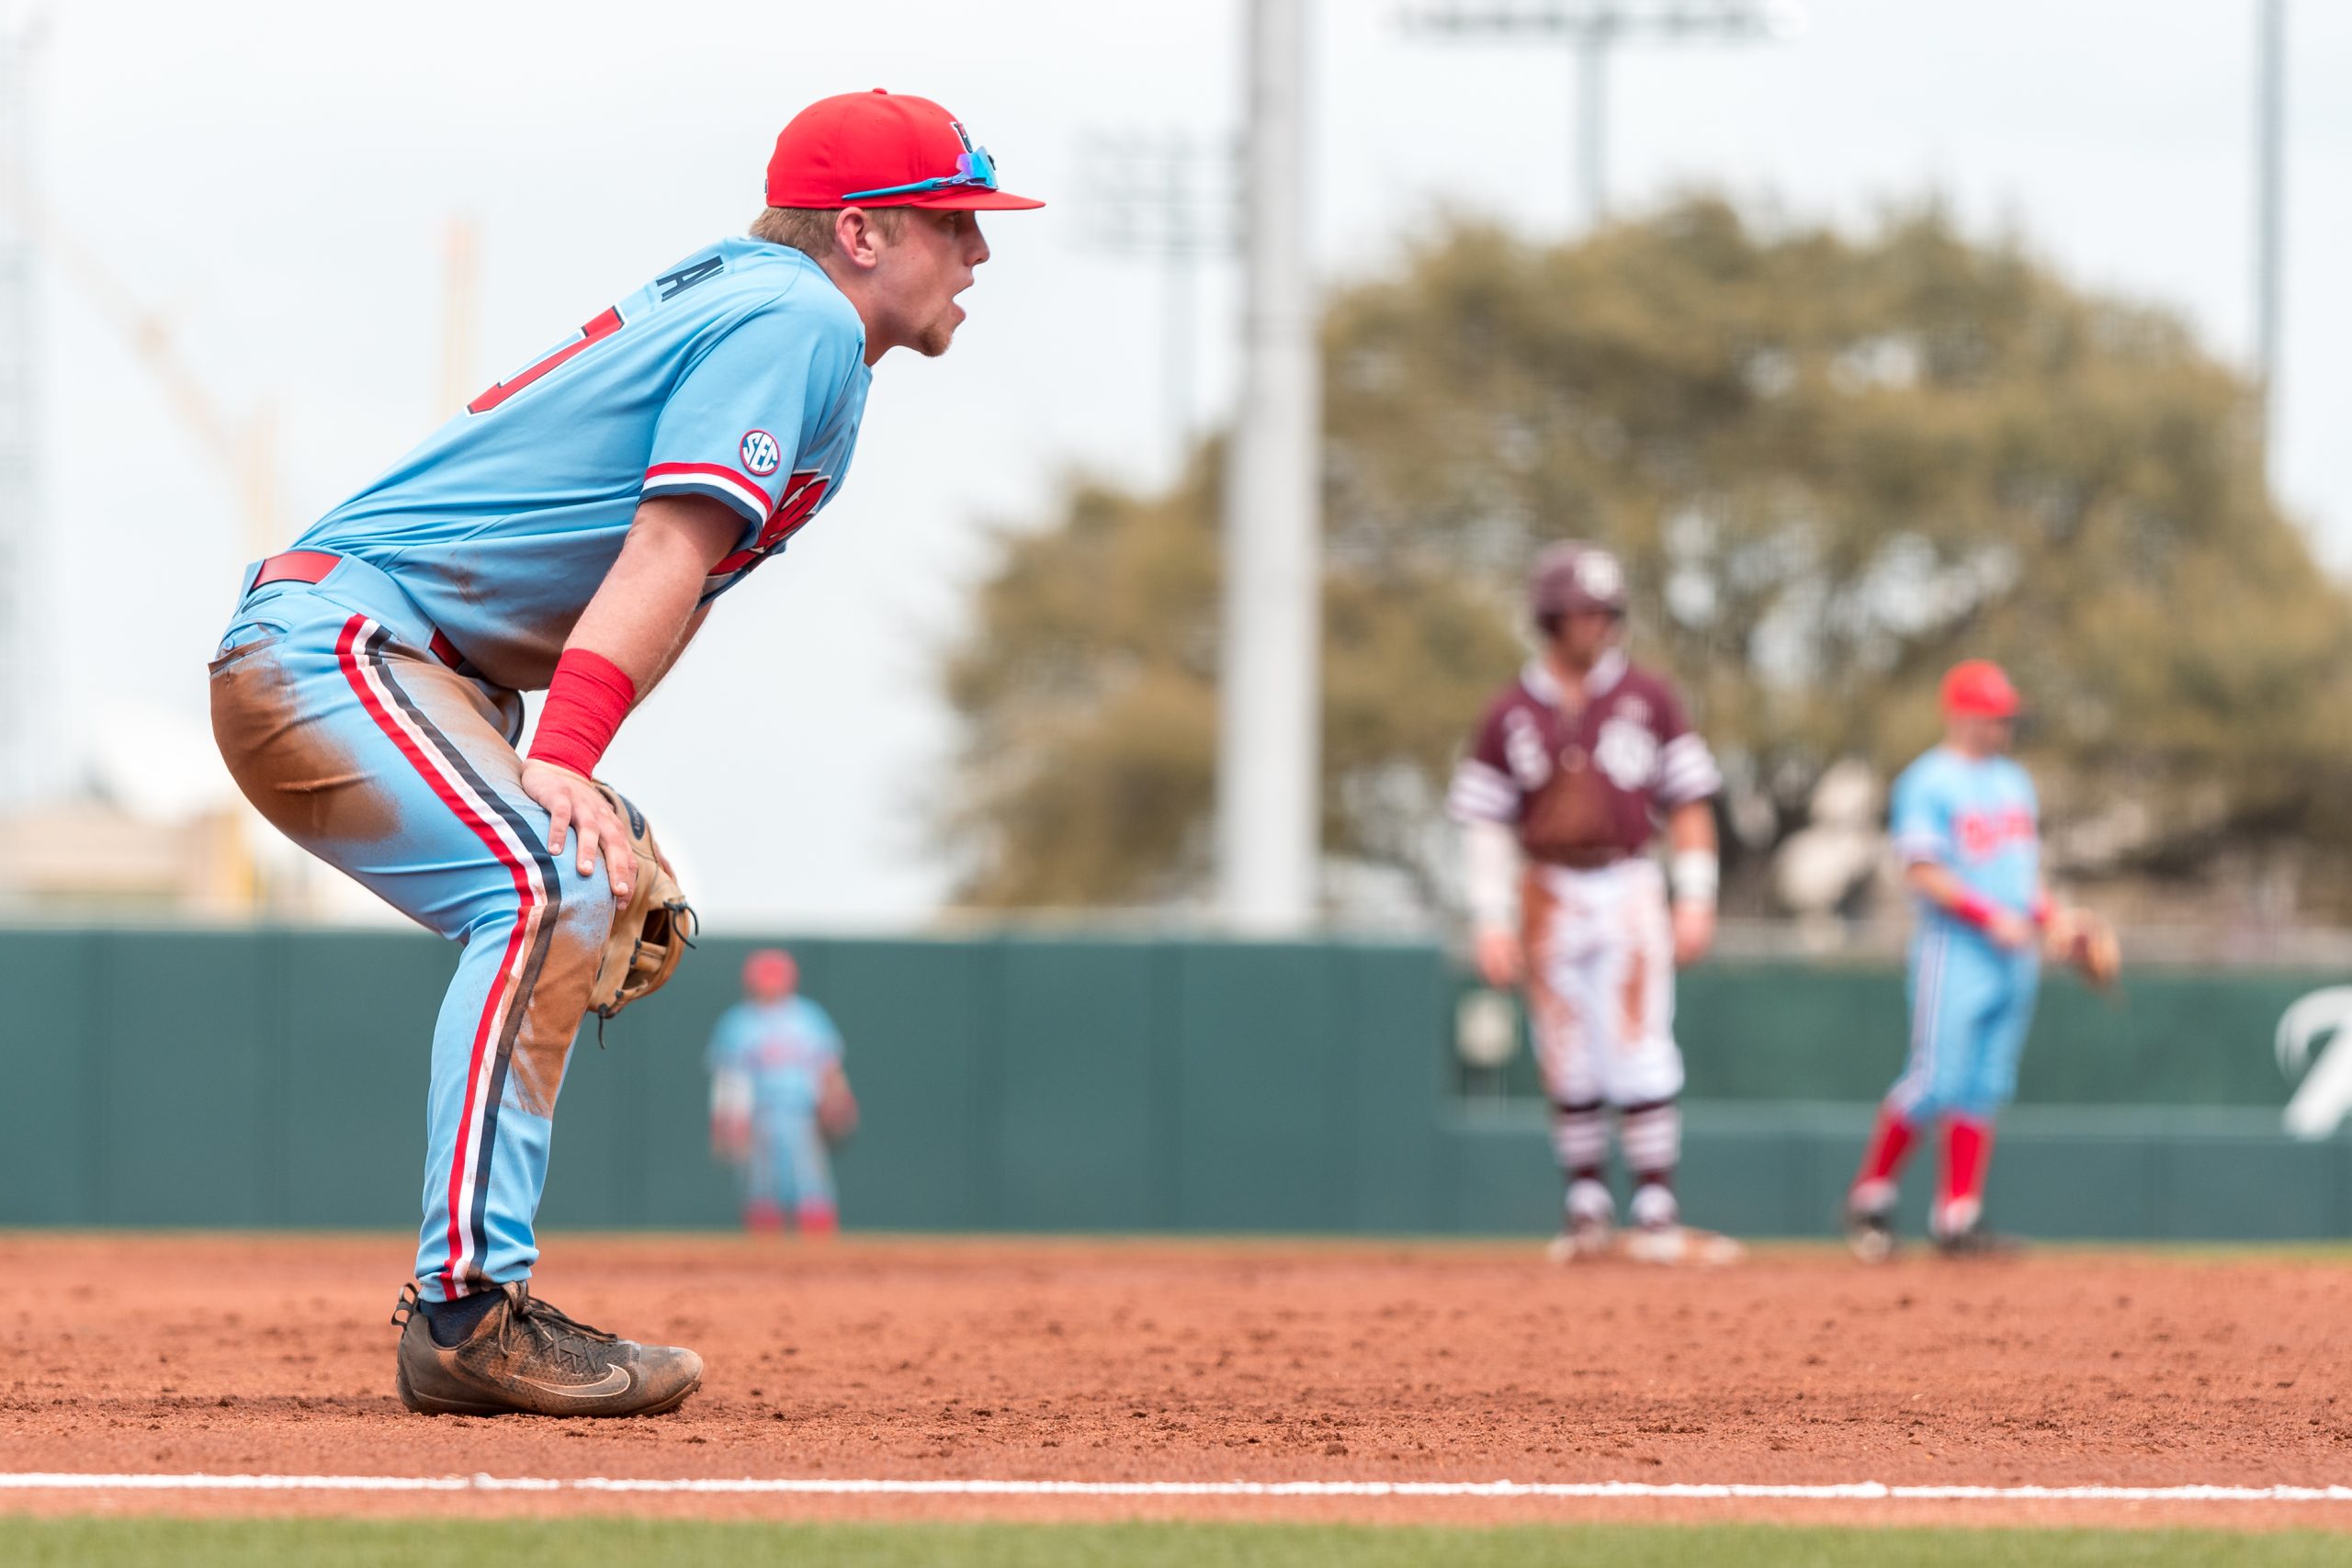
column 1501, row 962
column 576, row 810
column 1694, row 931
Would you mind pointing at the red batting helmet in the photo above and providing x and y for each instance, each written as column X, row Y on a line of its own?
column 1574, row 577
column 1978, row 688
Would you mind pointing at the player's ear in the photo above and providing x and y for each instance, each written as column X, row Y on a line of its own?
column 859, row 237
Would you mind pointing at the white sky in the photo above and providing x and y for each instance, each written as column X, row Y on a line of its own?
column 279, row 176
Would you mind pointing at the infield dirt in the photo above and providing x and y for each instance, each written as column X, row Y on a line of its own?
column 1271, row 1360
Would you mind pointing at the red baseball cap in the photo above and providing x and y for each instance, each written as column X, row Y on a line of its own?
column 882, row 148
column 769, row 969
column 1978, row 688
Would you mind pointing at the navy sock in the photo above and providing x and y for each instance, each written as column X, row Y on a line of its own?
column 451, row 1322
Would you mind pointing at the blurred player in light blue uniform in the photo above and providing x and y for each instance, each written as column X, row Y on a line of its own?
column 777, row 1088
column 1967, row 826
column 568, row 531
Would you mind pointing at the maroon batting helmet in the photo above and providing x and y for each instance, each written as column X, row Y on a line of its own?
column 1573, row 576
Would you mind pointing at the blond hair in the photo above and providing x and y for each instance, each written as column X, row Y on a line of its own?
column 810, row 230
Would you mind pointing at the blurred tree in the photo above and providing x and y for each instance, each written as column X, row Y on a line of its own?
column 1833, row 465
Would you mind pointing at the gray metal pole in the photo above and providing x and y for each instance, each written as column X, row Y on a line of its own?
column 1179, row 258
column 25, row 738
column 2270, row 95
column 1268, row 797
column 1592, row 28
column 1177, row 389
column 1592, row 135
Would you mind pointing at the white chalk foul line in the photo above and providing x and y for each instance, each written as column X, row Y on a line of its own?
column 1854, row 1491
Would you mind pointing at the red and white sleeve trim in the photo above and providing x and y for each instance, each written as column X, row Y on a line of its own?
column 734, row 486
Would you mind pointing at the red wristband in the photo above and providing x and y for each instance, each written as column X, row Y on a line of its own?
column 1976, row 911
column 2044, row 911
column 587, row 698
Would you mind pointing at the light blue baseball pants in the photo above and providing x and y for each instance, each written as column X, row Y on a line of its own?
column 358, row 741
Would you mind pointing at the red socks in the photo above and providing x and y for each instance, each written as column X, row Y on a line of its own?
column 1968, row 1151
column 765, row 1217
column 1881, row 1158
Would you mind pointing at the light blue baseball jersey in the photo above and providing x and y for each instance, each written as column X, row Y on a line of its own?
column 1976, row 816
column 783, row 1048
column 740, row 373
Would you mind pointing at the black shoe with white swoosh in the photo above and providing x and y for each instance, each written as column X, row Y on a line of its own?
column 525, row 1357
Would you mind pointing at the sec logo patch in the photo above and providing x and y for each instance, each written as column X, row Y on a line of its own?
column 762, row 455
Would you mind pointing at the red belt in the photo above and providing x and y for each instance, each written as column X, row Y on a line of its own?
column 312, row 566
column 296, row 566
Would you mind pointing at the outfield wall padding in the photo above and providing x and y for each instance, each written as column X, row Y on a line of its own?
column 277, row 1079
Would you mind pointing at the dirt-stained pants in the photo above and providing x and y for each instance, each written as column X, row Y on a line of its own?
column 357, row 742
column 1601, row 997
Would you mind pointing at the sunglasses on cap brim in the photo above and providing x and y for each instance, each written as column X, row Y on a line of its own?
column 973, row 169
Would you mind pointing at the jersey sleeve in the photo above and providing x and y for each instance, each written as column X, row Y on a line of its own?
column 824, row 1032
column 1686, row 766
column 726, row 1043
column 744, row 413
column 1482, row 788
column 1921, row 820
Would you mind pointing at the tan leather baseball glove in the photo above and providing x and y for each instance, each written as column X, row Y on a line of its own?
column 651, row 932
column 2085, row 940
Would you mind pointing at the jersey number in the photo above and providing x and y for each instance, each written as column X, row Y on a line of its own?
column 807, row 487
column 602, row 327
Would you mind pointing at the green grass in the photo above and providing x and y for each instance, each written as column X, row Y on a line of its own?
column 684, row 1543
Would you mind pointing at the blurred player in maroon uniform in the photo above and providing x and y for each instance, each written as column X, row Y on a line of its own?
column 1560, row 798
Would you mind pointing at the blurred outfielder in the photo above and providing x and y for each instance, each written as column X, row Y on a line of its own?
column 1558, row 802
column 1967, row 824
column 568, row 531
column 779, row 1097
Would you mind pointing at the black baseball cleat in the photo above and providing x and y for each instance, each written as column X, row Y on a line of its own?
column 1870, row 1232
column 525, row 1357
column 1977, row 1242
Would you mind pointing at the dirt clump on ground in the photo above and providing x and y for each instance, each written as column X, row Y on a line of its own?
column 1172, row 1360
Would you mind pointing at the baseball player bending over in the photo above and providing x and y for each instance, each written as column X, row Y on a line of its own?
column 1966, row 822
column 1567, row 773
column 779, row 1097
column 569, row 530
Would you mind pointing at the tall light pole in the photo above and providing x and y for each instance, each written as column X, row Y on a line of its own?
column 2270, row 175
column 1170, row 199
column 1269, row 716
column 1592, row 29
column 25, row 741
column 461, row 314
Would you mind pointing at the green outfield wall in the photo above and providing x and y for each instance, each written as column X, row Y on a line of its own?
column 277, row 1078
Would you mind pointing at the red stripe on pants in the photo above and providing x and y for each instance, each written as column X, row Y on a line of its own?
column 347, row 656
